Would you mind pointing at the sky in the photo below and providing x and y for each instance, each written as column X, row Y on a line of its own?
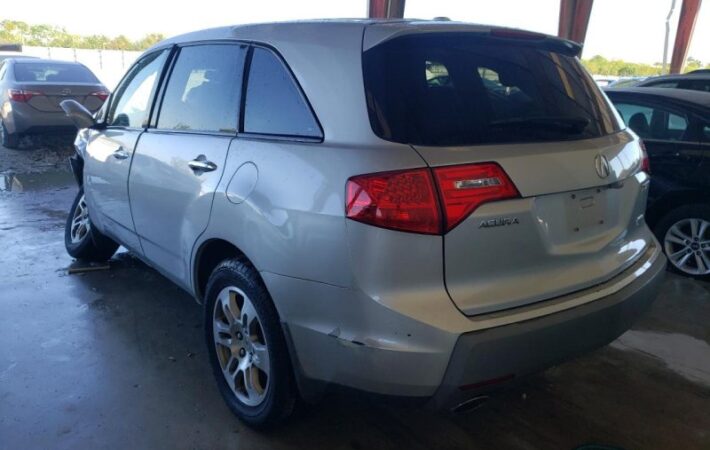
column 632, row 30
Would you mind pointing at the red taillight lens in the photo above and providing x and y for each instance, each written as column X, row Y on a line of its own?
column 22, row 95
column 403, row 200
column 645, row 162
column 407, row 200
column 102, row 95
column 465, row 188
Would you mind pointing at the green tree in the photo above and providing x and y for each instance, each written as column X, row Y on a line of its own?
column 43, row 35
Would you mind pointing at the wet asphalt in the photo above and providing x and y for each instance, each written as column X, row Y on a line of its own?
column 116, row 359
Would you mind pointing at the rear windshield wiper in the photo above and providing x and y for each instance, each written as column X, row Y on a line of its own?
column 573, row 125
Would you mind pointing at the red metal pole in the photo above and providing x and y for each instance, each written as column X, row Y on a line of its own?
column 686, row 24
column 385, row 9
column 574, row 19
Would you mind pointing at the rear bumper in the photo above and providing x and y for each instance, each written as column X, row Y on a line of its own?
column 483, row 360
column 22, row 118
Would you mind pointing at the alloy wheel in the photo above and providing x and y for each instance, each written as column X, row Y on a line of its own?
column 241, row 346
column 687, row 245
column 80, row 225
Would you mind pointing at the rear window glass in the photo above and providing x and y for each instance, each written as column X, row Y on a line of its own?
column 51, row 72
column 462, row 89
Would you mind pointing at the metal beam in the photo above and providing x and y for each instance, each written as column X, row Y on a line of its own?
column 686, row 24
column 574, row 19
column 385, row 9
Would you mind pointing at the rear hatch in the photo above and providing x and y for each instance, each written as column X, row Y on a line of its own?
column 524, row 103
column 47, row 84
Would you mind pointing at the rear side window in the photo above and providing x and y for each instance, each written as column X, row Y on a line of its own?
column 203, row 91
column 53, row 73
column 696, row 85
column 444, row 89
column 653, row 123
column 274, row 103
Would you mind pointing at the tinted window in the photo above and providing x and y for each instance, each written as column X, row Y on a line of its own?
column 696, row 85
column 663, row 84
column 203, row 90
column 54, row 73
column 274, row 103
column 652, row 122
column 463, row 89
column 130, row 104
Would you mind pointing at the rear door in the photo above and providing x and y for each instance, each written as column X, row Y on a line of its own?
column 109, row 151
column 179, row 160
column 672, row 136
column 524, row 104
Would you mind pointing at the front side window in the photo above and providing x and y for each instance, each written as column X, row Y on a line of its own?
column 131, row 102
column 203, row 91
column 448, row 89
column 652, row 122
column 274, row 103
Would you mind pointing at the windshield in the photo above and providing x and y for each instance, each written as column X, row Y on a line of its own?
column 447, row 89
column 52, row 72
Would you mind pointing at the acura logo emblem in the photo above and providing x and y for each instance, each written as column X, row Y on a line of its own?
column 602, row 166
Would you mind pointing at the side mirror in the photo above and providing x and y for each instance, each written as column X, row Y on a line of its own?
column 81, row 116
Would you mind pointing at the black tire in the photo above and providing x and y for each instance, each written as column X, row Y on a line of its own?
column 9, row 140
column 92, row 245
column 674, row 216
column 280, row 393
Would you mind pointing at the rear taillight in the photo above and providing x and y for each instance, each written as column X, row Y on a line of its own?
column 101, row 95
column 645, row 162
column 408, row 201
column 404, row 200
column 22, row 95
column 465, row 188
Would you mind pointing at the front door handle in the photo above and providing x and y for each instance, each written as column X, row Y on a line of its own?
column 200, row 164
column 120, row 153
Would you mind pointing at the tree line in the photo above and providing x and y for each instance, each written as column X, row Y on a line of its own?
column 599, row 65
column 17, row 32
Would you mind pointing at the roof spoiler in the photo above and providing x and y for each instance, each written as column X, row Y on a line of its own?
column 379, row 33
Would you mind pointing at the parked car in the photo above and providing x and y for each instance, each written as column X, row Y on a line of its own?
column 347, row 217
column 626, row 82
column 675, row 127
column 697, row 80
column 14, row 55
column 31, row 90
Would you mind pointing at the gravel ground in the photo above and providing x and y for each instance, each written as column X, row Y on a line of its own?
column 37, row 154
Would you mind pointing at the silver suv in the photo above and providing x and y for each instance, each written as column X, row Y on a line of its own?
column 416, row 209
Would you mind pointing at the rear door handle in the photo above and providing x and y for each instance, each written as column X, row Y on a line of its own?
column 200, row 164
column 120, row 153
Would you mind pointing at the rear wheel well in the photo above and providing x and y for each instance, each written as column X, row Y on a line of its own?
column 666, row 204
column 210, row 254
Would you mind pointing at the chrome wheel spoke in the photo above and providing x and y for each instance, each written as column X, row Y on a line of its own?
column 248, row 314
column 675, row 240
column 261, row 358
column 241, row 346
column 80, row 225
